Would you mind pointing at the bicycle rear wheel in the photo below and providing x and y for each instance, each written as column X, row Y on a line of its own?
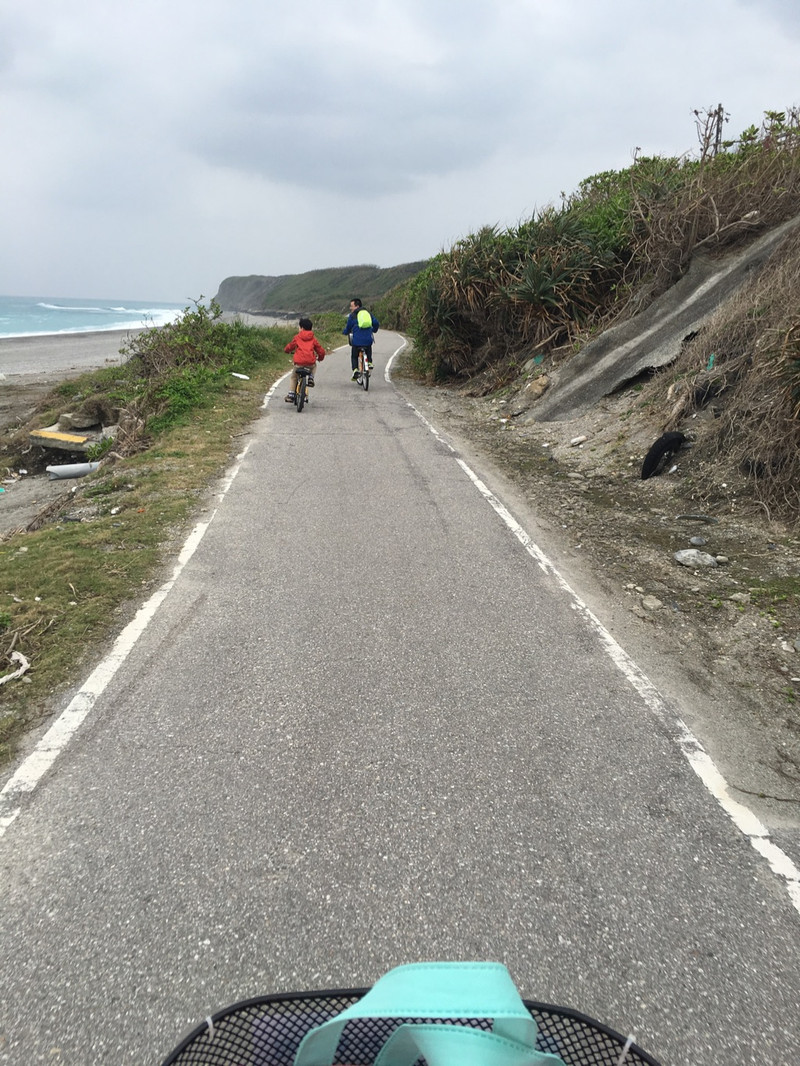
column 302, row 385
column 363, row 370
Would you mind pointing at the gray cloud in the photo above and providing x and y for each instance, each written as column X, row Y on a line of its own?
column 153, row 149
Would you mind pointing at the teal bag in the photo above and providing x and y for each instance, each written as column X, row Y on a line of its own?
column 439, row 990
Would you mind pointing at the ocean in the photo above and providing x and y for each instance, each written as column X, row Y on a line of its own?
column 32, row 316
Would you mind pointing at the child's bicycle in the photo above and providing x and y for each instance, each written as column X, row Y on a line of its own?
column 364, row 369
column 301, row 392
column 268, row 1031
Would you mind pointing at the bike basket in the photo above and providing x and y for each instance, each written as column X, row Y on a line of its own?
column 268, row 1031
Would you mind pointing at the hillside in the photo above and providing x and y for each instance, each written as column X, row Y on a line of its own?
column 327, row 289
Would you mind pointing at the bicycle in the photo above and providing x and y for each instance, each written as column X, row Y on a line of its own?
column 363, row 369
column 301, row 392
column 267, row 1031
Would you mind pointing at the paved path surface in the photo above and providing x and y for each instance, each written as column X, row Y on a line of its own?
column 457, row 769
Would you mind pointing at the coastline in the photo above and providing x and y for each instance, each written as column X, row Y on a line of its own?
column 52, row 356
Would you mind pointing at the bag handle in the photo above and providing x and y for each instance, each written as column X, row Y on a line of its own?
column 446, row 990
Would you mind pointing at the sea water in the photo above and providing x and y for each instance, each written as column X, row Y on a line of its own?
column 27, row 316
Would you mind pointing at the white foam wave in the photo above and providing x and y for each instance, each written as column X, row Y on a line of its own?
column 145, row 320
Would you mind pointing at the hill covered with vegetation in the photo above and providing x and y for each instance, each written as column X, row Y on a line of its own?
column 504, row 304
column 327, row 289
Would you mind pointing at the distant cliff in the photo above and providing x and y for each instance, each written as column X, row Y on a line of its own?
column 317, row 290
column 247, row 293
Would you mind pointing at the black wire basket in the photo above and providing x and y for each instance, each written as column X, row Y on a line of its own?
column 267, row 1032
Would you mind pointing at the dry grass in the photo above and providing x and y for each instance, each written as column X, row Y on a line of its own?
column 745, row 367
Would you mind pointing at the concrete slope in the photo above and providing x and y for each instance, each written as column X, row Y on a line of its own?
column 653, row 339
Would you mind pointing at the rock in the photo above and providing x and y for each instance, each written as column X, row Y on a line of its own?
column 697, row 542
column 578, row 440
column 652, row 603
column 740, row 597
column 694, row 557
column 536, row 388
column 76, row 420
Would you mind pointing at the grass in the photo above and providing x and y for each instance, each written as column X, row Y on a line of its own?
column 65, row 587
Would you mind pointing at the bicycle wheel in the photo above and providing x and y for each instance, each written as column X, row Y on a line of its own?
column 302, row 383
column 363, row 371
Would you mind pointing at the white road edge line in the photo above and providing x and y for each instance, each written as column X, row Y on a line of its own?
column 35, row 766
column 55, row 740
column 693, row 751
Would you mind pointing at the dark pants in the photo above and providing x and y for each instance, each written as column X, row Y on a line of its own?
column 354, row 349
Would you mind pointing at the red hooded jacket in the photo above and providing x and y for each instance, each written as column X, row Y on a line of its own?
column 306, row 348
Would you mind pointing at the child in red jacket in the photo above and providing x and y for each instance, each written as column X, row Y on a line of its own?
column 306, row 349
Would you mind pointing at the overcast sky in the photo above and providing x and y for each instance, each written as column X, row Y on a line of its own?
column 151, row 149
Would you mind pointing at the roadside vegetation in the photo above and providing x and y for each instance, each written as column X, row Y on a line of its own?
column 501, row 302
column 186, row 392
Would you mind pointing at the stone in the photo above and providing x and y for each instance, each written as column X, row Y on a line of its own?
column 694, row 557
column 536, row 388
column 77, row 420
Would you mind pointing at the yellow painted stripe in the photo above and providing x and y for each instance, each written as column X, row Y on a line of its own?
column 68, row 438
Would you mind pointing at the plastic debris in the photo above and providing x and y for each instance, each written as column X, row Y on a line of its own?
column 17, row 657
column 71, row 470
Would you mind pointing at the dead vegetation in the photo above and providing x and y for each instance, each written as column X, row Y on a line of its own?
column 744, row 369
column 503, row 306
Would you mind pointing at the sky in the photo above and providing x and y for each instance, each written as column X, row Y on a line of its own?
column 151, row 150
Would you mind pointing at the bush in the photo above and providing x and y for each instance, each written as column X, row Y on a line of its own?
column 498, row 295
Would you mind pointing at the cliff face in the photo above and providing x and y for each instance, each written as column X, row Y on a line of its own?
column 249, row 293
column 327, row 289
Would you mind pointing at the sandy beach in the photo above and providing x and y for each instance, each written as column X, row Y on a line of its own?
column 29, row 368
column 58, row 354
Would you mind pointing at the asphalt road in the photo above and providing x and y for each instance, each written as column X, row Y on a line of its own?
column 364, row 727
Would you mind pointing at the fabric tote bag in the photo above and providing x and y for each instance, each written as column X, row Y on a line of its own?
column 441, row 1013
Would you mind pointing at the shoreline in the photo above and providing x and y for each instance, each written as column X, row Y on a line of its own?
column 54, row 355
column 30, row 367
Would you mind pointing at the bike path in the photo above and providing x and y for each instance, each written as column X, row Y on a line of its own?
column 365, row 726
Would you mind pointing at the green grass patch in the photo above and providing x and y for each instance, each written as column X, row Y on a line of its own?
column 64, row 588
